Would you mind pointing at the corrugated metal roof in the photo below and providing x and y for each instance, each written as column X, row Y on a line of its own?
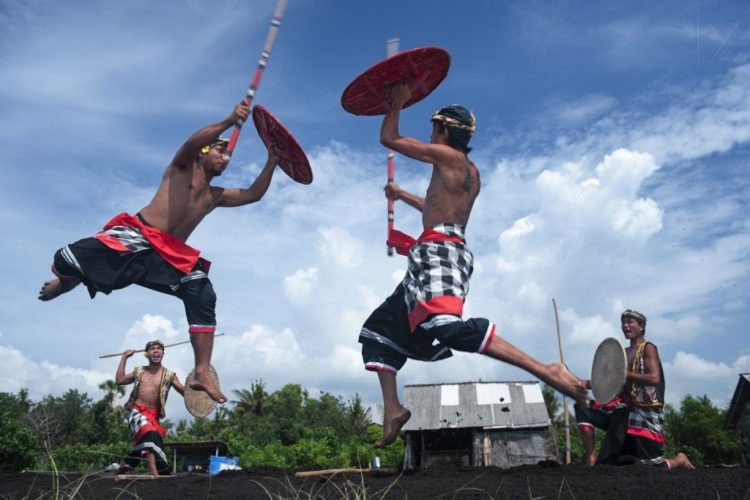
column 475, row 404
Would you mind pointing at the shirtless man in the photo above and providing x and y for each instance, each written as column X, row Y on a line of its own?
column 146, row 405
column 149, row 248
column 634, row 420
column 427, row 305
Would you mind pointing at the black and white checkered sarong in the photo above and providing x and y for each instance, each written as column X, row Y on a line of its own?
column 437, row 278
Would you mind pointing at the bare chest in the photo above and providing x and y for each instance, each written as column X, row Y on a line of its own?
column 149, row 385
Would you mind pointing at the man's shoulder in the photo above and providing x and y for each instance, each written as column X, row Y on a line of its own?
column 651, row 346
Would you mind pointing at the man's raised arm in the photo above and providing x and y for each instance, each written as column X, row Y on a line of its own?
column 435, row 154
column 188, row 152
column 120, row 377
column 235, row 197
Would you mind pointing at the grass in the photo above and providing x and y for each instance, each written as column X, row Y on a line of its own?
column 346, row 490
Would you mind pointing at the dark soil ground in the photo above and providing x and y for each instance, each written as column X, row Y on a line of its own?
column 633, row 482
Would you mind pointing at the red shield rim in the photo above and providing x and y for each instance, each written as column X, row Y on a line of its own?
column 422, row 69
column 291, row 157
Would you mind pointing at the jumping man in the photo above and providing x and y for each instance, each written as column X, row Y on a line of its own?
column 427, row 305
column 149, row 249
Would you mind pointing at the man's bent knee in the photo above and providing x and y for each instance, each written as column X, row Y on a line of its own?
column 472, row 335
column 65, row 265
column 200, row 308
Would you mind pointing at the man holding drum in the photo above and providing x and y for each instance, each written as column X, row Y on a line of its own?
column 634, row 420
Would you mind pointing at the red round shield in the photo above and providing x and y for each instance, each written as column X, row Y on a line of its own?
column 291, row 157
column 422, row 69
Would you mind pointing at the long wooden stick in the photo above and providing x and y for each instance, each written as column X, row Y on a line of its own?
column 144, row 350
column 275, row 23
column 565, row 400
column 391, row 50
column 329, row 472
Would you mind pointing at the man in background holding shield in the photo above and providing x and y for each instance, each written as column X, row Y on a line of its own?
column 634, row 419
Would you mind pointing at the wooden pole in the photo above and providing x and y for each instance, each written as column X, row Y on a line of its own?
column 391, row 50
column 330, row 472
column 565, row 400
column 275, row 23
column 144, row 350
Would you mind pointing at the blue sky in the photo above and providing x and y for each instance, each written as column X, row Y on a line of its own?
column 613, row 142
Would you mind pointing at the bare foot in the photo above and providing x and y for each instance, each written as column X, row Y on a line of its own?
column 56, row 286
column 591, row 459
column 203, row 382
column 391, row 428
column 124, row 469
column 680, row 462
column 567, row 383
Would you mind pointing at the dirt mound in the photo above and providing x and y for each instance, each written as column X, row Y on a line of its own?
column 549, row 482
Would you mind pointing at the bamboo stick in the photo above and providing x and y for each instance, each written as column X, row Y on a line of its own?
column 275, row 23
column 565, row 400
column 330, row 472
column 391, row 50
column 144, row 350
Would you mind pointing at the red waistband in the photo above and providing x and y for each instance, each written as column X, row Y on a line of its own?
column 152, row 415
column 179, row 254
column 402, row 242
column 432, row 235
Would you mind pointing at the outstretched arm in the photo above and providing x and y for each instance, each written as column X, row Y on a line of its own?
column 120, row 377
column 187, row 153
column 235, row 197
column 178, row 385
column 394, row 192
column 436, row 154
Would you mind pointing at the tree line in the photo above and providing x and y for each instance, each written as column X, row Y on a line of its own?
column 287, row 428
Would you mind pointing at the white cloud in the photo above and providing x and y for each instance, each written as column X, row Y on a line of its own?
column 586, row 108
column 151, row 326
column 18, row 371
column 690, row 366
column 689, row 373
column 338, row 244
column 300, row 286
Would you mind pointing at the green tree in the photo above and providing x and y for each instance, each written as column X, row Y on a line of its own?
column 286, row 405
column 111, row 391
column 358, row 417
column 550, row 401
column 63, row 419
column 253, row 401
column 698, row 431
column 18, row 447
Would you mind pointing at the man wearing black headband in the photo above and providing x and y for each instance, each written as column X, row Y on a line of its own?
column 634, row 420
column 147, row 405
column 427, row 305
column 149, row 249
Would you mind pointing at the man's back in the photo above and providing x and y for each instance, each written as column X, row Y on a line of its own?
column 450, row 196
